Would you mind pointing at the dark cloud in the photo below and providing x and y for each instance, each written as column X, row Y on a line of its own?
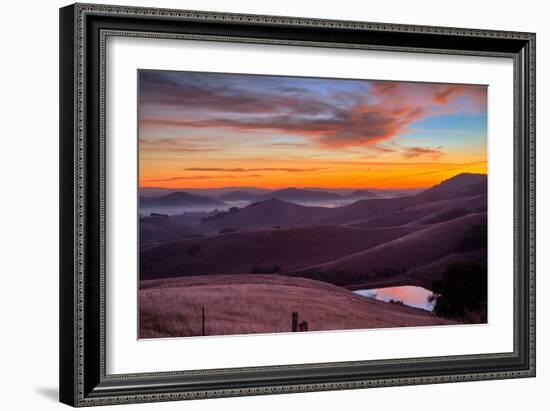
column 343, row 127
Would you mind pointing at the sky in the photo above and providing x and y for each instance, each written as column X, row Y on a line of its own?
column 212, row 130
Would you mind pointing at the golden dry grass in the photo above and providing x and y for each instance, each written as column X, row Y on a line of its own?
column 244, row 304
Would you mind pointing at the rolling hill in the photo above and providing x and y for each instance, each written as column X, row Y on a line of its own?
column 240, row 196
column 301, row 195
column 390, row 241
column 427, row 213
column 284, row 212
column 360, row 195
column 267, row 214
column 290, row 249
column 462, row 185
column 162, row 229
column 179, row 198
column 244, row 304
column 415, row 250
column 425, row 274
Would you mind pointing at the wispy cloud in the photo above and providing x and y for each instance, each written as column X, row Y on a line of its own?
column 175, row 144
column 414, row 152
column 288, row 145
column 330, row 113
column 207, row 128
column 245, row 170
column 196, row 177
column 382, row 149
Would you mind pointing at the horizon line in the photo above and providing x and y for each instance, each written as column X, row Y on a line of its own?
column 140, row 187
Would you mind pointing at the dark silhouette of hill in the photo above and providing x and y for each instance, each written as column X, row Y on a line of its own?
column 424, row 275
column 240, row 252
column 301, row 195
column 390, row 241
column 298, row 195
column 160, row 229
column 470, row 188
column 398, row 256
column 360, row 195
column 240, row 196
column 462, row 185
column 427, row 213
column 268, row 214
column 179, row 198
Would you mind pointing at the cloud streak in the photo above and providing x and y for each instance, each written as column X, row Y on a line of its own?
column 196, row 177
column 431, row 152
column 177, row 145
column 328, row 113
column 209, row 130
column 246, row 170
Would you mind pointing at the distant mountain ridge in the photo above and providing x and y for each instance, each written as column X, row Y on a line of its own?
column 300, row 194
column 239, row 195
column 360, row 194
column 388, row 241
column 457, row 186
column 272, row 212
column 267, row 214
column 180, row 198
column 294, row 194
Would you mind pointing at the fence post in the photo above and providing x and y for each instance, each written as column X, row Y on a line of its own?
column 294, row 321
column 203, row 329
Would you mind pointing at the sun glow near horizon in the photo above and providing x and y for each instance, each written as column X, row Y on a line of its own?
column 208, row 130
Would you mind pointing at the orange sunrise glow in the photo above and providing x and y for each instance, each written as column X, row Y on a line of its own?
column 205, row 130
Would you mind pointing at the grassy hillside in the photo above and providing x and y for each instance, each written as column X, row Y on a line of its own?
column 398, row 256
column 290, row 249
column 425, row 213
column 267, row 214
column 389, row 241
column 243, row 304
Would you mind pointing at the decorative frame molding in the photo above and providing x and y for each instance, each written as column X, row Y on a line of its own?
column 84, row 29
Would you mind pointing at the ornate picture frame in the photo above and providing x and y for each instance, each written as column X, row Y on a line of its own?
column 84, row 30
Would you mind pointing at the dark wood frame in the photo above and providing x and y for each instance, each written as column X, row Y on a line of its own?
column 83, row 30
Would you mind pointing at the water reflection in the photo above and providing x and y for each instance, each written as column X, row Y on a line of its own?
column 410, row 295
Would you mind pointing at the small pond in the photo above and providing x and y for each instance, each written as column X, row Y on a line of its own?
column 410, row 295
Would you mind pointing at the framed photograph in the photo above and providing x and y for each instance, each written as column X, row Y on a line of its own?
column 262, row 204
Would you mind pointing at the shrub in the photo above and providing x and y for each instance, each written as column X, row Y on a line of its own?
column 461, row 292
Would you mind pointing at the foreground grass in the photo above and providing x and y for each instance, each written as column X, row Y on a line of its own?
column 262, row 303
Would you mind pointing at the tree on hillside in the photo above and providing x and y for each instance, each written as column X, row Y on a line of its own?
column 461, row 292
